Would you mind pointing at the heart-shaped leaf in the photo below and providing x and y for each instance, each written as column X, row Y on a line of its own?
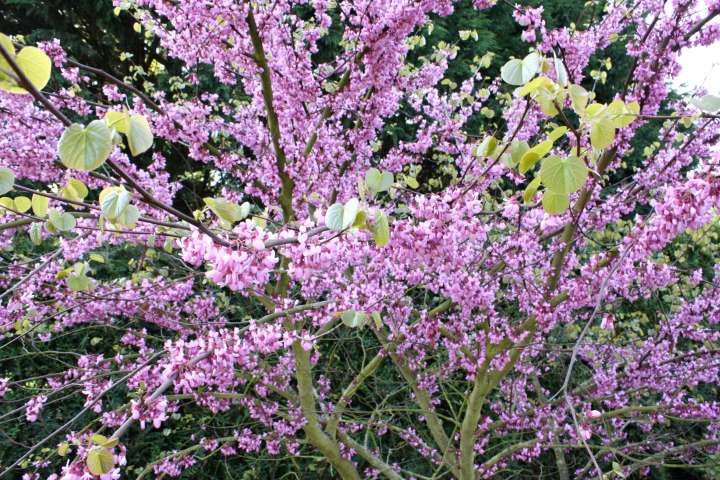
column 22, row 204
column 555, row 203
column 39, row 205
column 85, row 148
column 33, row 62
column 377, row 181
column 140, row 137
column 7, row 180
column 563, row 175
column 74, row 190
column 339, row 217
column 100, row 461
column 113, row 201
column 354, row 319
column 62, row 222
column 229, row 211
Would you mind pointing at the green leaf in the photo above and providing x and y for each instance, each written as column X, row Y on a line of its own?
column 340, row 217
column 555, row 203
column 128, row 217
column 579, row 97
column 85, row 148
column 334, row 217
column 354, row 319
column 96, row 257
column 557, row 133
column 602, row 134
column 381, row 229
column 22, row 204
column 7, row 180
column 411, row 182
column 36, row 233
column 531, row 190
column 62, row 222
column 63, row 449
column 39, row 205
column 536, row 84
column 377, row 181
column 707, row 103
column 350, row 211
column 563, row 175
column 530, row 66
column 120, row 121
column 100, row 461
column 74, row 190
column 517, row 150
column 79, row 283
column 377, row 319
column 531, row 157
column 512, row 73
column 229, row 211
column 33, row 62
column 140, row 137
column 113, row 201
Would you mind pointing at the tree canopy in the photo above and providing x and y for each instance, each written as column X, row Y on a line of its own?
column 357, row 239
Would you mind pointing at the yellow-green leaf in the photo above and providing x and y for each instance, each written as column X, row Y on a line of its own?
column 378, row 181
column 579, row 97
column 557, row 133
column 531, row 190
column 74, row 190
column 39, row 205
column 33, row 62
column 113, row 201
column 7, row 180
column 128, row 217
column 100, row 461
column 8, row 44
column 531, row 157
column 120, row 121
column 411, row 182
column 22, row 204
column 96, row 257
column 563, row 175
column 98, row 439
column 63, row 449
column 602, row 134
column 85, row 148
column 555, row 203
column 140, row 137
column 62, row 222
column 7, row 202
column 381, row 229
column 229, row 211
column 536, row 84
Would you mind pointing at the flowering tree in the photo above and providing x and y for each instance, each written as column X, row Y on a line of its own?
column 333, row 301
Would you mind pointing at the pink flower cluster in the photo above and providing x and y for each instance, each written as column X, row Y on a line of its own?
column 247, row 266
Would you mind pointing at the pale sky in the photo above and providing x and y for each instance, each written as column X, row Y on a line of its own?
column 700, row 66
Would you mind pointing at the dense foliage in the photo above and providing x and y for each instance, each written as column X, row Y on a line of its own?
column 357, row 239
